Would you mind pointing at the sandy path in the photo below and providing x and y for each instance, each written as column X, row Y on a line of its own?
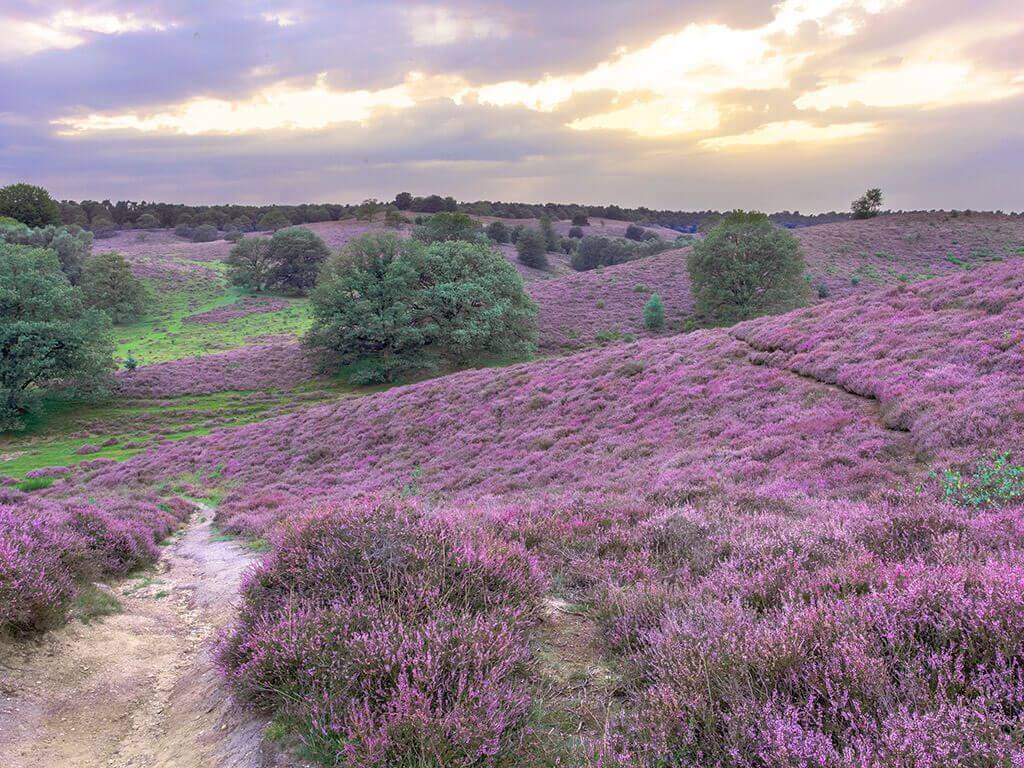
column 137, row 689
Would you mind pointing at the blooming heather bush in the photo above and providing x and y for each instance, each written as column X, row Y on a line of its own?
column 48, row 547
column 388, row 637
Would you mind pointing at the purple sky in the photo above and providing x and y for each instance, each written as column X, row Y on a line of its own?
column 798, row 104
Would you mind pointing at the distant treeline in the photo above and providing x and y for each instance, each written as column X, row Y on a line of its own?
column 107, row 215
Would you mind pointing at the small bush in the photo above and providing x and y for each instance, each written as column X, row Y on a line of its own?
column 654, row 313
column 581, row 220
column 823, row 291
column 205, row 233
column 531, row 249
column 995, row 481
column 576, row 232
column 498, row 232
column 638, row 233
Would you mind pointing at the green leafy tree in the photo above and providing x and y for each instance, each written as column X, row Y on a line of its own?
column 47, row 335
column 295, row 256
column 595, row 251
column 531, row 249
column 71, row 244
column 249, row 263
column 108, row 284
column 391, row 305
column 746, row 267
column 654, row 313
column 445, row 227
column 147, row 221
column 498, row 232
column 273, row 220
column 547, row 230
column 868, row 205
column 403, row 201
column 367, row 209
column 29, row 204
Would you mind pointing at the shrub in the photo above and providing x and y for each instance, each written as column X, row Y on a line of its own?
column 498, row 232
column 746, row 267
column 594, row 251
column 388, row 637
column 205, row 233
column 103, row 227
column 108, row 284
column 147, row 221
column 576, row 232
column 249, row 263
column 446, row 227
column 273, row 220
column 547, row 231
column 28, row 204
column 868, row 205
column 654, row 313
column 295, row 256
column 47, row 335
column 531, row 249
column 581, row 220
column 184, row 231
column 995, row 481
column 638, row 233
column 394, row 305
column 393, row 219
column 823, row 292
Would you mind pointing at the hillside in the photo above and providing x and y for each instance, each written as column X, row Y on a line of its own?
column 873, row 384
column 848, row 258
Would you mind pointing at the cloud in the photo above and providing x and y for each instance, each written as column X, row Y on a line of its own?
column 696, row 103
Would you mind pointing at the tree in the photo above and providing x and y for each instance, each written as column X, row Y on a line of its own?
column 654, row 313
column 30, row 205
column 393, row 219
column 867, row 205
column 498, row 232
column 47, row 335
column 367, row 209
column 595, row 251
column 249, row 263
column 531, row 249
column 580, row 220
column 746, row 267
column 108, row 284
column 445, row 227
column 71, row 244
column 392, row 305
column 205, row 233
column 547, row 230
column 295, row 257
column 147, row 221
column 638, row 234
column 403, row 201
column 274, row 220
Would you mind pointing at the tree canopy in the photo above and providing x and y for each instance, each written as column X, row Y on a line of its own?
column 392, row 305
column 295, row 255
column 746, row 267
column 108, row 284
column 29, row 204
column 47, row 335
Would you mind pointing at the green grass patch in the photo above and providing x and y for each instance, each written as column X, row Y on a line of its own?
column 93, row 602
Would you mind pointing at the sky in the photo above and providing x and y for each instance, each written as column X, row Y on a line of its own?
column 680, row 104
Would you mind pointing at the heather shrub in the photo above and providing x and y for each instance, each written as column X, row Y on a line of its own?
column 295, row 256
column 30, row 205
column 205, row 233
column 531, row 249
column 654, row 313
column 446, row 227
column 385, row 636
column 108, row 284
column 746, row 267
column 48, row 337
column 249, row 263
column 498, row 232
column 393, row 305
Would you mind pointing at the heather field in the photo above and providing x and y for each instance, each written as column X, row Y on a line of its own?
column 791, row 542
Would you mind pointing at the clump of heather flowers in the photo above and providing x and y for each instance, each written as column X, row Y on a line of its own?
column 385, row 637
column 49, row 547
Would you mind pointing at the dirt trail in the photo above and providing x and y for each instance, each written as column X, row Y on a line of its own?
column 136, row 689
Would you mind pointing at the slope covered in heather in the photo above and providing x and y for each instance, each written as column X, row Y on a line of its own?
column 851, row 401
column 847, row 258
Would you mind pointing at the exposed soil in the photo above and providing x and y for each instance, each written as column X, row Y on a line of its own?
column 137, row 689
